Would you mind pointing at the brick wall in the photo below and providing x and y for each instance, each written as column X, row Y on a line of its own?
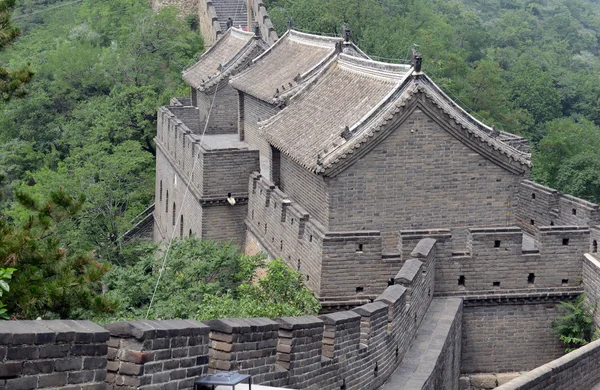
column 421, row 177
column 355, row 350
column 52, row 354
column 213, row 174
column 543, row 206
column 508, row 335
column 574, row 371
column 156, row 354
column 209, row 24
column 307, row 189
column 591, row 282
column 261, row 16
column 284, row 230
column 495, row 261
column 223, row 116
column 433, row 361
column 347, row 265
column 190, row 116
column 256, row 110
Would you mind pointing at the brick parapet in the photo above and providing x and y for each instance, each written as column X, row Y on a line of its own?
column 337, row 265
column 149, row 354
column 591, row 283
column 574, row 371
column 496, row 260
column 261, row 16
column 52, row 354
column 543, row 206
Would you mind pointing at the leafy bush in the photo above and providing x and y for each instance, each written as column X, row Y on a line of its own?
column 576, row 328
column 205, row 279
column 5, row 273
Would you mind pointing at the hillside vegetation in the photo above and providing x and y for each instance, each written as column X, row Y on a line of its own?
column 527, row 67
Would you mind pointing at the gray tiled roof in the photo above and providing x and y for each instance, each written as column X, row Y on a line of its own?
column 221, row 58
column 346, row 91
column 276, row 71
column 365, row 96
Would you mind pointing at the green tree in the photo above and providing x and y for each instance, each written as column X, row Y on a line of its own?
column 576, row 327
column 52, row 281
column 205, row 279
column 11, row 82
column 568, row 158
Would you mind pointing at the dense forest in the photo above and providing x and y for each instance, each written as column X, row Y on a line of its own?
column 77, row 156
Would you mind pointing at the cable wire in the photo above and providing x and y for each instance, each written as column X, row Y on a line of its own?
column 178, row 218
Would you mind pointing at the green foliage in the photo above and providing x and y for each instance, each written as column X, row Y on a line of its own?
column 11, row 82
column 5, row 274
column 88, row 122
column 52, row 281
column 576, row 328
column 205, row 279
column 569, row 157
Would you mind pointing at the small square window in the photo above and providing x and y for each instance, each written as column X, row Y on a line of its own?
column 497, row 244
column 359, row 289
column 461, row 280
column 496, row 284
column 531, row 279
column 533, row 195
column 531, row 222
column 359, row 248
column 565, row 241
column 574, row 211
column 565, row 282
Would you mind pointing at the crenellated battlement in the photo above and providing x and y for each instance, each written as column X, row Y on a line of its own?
column 543, row 206
column 215, row 166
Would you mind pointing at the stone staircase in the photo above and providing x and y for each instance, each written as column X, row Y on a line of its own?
column 234, row 9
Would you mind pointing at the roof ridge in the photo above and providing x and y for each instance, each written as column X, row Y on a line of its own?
column 484, row 132
column 313, row 39
column 374, row 68
column 234, row 33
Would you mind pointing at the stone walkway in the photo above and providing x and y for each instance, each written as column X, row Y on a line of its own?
column 420, row 360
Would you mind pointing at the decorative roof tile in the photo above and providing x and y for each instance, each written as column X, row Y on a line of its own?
column 318, row 119
column 294, row 58
column 353, row 101
column 223, row 58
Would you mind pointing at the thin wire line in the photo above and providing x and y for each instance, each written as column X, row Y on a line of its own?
column 46, row 9
column 187, row 190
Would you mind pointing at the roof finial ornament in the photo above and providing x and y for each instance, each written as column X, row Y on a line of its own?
column 416, row 60
column 229, row 23
column 256, row 29
column 495, row 132
column 290, row 23
column 346, row 34
column 346, row 133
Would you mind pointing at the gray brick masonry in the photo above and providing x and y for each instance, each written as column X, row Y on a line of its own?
column 52, row 354
column 577, row 370
column 150, row 354
column 433, row 360
column 591, row 282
